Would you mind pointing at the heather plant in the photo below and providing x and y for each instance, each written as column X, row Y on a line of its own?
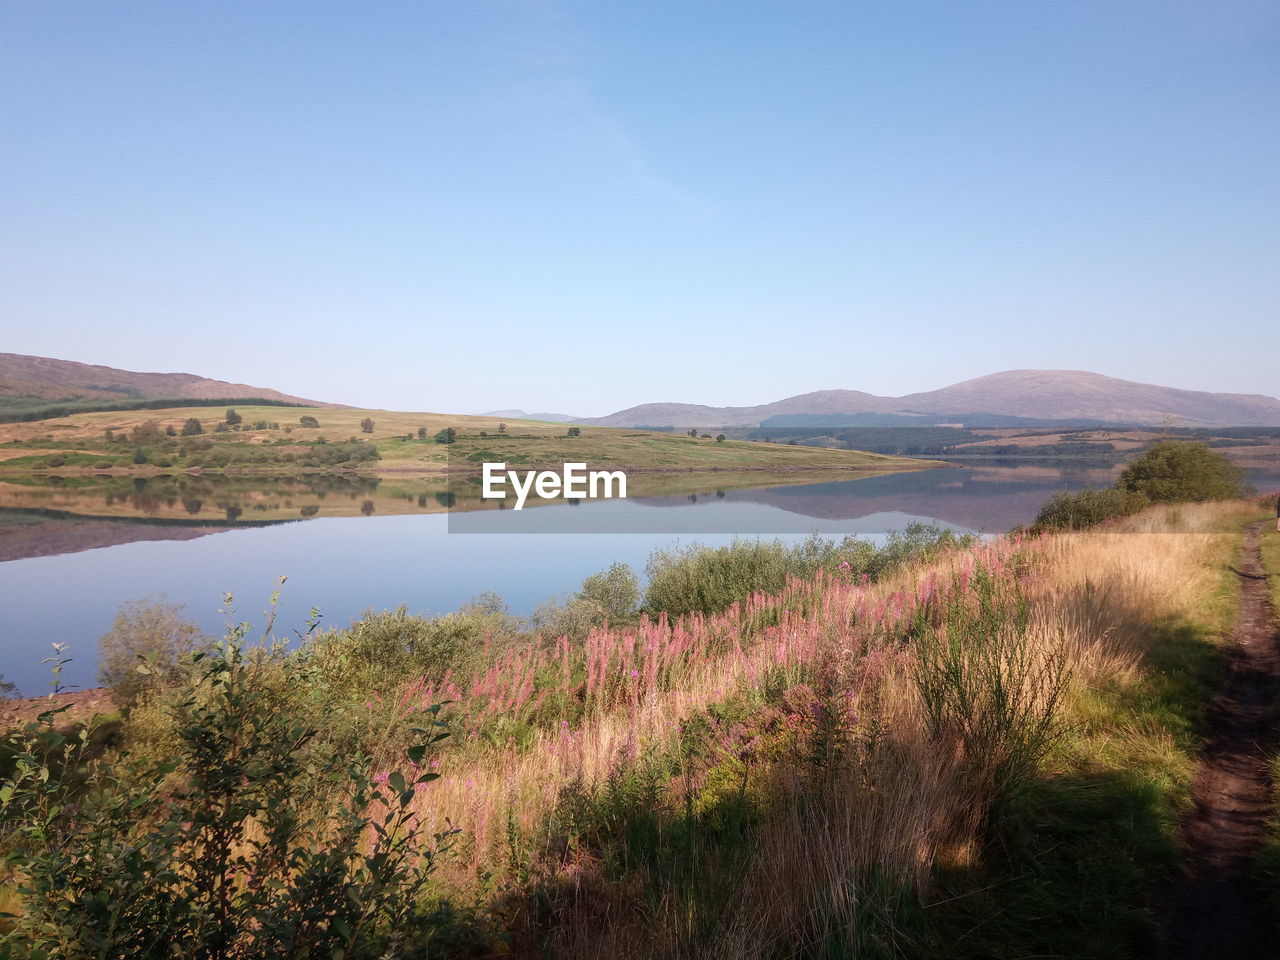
column 245, row 842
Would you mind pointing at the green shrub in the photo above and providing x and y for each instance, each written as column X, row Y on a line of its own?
column 146, row 647
column 308, row 421
column 243, row 843
column 192, row 427
column 1173, row 471
column 1084, row 508
column 389, row 647
column 702, row 579
column 612, row 596
column 447, row 435
column 616, row 592
column 988, row 688
column 708, row 580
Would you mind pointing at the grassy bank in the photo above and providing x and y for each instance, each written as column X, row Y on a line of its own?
column 955, row 751
column 1268, row 868
column 300, row 440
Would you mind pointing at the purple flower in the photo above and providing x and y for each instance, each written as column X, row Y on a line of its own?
column 381, row 778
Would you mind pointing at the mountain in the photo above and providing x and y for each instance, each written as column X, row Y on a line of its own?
column 521, row 415
column 1041, row 395
column 27, row 380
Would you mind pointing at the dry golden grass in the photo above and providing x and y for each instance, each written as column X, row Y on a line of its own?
column 901, row 810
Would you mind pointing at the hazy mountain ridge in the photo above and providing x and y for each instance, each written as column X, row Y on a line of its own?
column 55, row 380
column 521, row 415
column 1036, row 394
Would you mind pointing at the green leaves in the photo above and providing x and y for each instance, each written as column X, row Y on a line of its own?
column 247, row 841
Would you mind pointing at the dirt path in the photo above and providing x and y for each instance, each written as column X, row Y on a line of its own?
column 1216, row 912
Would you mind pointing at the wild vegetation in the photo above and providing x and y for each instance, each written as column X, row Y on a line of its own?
column 275, row 440
column 935, row 748
column 1170, row 471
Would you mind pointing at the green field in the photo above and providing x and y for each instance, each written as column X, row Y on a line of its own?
column 272, row 440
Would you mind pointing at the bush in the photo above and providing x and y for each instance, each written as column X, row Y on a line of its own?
column 387, row 647
column 1084, row 508
column 146, row 648
column 366, row 425
column 192, row 427
column 1173, row 471
column 616, row 592
column 139, row 455
column 244, row 842
column 609, row 597
column 575, row 431
column 702, row 579
column 308, row 421
column 986, row 686
column 233, row 418
column 447, row 435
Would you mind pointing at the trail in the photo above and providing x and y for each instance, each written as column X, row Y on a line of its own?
column 1215, row 910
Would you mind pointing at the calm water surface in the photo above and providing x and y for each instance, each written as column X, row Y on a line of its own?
column 63, row 578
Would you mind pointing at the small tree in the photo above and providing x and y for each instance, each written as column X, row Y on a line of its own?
column 720, row 438
column 145, row 648
column 139, row 455
column 447, row 435
column 502, row 428
column 170, row 431
column 308, row 421
column 1175, row 470
column 422, row 433
column 233, row 418
column 575, row 431
column 366, row 425
column 192, row 428
column 616, row 592
column 693, row 431
column 145, row 433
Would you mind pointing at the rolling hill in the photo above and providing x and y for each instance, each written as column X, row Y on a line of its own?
column 1042, row 395
column 38, row 381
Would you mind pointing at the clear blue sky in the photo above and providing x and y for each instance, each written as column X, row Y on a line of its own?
column 583, row 205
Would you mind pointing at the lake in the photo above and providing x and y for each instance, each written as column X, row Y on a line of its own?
column 70, row 554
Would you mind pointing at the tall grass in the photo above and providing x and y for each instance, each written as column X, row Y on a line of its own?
column 827, row 767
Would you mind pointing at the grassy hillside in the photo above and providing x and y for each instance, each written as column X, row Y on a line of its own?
column 932, row 749
column 274, row 439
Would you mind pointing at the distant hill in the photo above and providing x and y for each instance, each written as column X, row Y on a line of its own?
column 41, row 381
column 521, row 415
column 1021, row 395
